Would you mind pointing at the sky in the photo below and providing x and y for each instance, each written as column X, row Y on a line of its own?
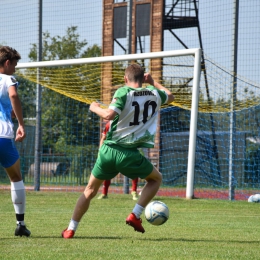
column 21, row 28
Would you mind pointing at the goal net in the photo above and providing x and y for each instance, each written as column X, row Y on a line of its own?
column 192, row 148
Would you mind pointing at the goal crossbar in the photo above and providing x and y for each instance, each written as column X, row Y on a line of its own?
column 150, row 55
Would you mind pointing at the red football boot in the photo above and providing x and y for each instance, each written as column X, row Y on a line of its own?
column 67, row 233
column 136, row 223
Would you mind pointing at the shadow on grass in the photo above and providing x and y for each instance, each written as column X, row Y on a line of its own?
column 198, row 240
column 143, row 239
column 74, row 238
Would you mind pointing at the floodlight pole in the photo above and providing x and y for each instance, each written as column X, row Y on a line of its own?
column 232, row 126
column 37, row 149
column 129, row 51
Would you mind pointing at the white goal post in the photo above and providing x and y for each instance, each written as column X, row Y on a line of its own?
column 196, row 53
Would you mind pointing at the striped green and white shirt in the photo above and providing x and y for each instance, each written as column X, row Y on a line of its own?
column 136, row 122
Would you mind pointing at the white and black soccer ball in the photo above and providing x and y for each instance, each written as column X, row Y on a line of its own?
column 254, row 198
column 156, row 213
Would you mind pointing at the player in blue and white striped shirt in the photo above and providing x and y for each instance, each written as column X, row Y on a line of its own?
column 9, row 158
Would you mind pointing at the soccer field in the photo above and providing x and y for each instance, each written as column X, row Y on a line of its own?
column 196, row 229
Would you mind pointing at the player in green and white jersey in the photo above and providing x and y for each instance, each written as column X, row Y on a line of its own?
column 133, row 115
column 137, row 115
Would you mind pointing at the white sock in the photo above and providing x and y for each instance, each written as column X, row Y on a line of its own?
column 73, row 225
column 20, row 222
column 138, row 210
column 18, row 196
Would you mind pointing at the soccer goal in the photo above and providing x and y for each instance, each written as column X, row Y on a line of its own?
column 208, row 139
column 89, row 79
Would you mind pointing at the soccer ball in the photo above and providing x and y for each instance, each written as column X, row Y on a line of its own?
column 254, row 198
column 156, row 213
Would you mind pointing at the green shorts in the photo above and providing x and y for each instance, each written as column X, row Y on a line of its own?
column 113, row 159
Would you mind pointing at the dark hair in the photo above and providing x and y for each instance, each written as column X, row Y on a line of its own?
column 8, row 53
column 134, row 73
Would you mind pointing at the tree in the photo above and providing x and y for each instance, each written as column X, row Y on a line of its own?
column 65, row 122
column 26, row 92
column 65, row 47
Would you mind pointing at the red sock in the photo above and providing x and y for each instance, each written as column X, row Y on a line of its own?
column 134, row 184
column 106, row 185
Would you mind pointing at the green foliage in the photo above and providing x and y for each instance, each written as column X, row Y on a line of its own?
column 27, row 94
column 252, row 165
column 66, row 122
column 82, row 159
column 64, row 47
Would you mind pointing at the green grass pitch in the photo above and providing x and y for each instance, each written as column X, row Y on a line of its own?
column 196, row 229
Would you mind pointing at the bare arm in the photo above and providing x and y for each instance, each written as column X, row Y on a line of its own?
column 17, row 109
column 106, row 113
column 148, row 79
